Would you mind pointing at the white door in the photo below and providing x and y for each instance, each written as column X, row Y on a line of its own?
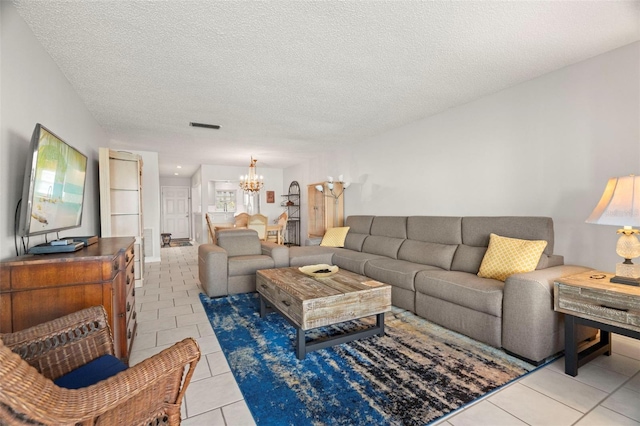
column 175, row 211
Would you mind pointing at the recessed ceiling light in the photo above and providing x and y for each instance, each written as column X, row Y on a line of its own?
column 206, row 126
column 178, row 167
column 177, row 174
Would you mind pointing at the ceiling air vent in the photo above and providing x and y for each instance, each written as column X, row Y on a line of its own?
column 206, row 126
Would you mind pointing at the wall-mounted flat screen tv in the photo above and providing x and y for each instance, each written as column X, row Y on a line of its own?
column 54, row 184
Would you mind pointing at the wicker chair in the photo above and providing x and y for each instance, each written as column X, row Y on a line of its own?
column 148, row 393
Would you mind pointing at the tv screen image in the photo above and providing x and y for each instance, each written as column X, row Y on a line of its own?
column 54, row 186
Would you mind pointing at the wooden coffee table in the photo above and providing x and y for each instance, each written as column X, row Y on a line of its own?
column 308, row 303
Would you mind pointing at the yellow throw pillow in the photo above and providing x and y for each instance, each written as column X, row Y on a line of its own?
column 334, row 237
column 507, row 256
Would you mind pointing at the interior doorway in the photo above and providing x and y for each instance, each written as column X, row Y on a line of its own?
column 176, row 219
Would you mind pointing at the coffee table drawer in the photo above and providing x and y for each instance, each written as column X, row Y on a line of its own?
column 281, row 300
column 614, row 308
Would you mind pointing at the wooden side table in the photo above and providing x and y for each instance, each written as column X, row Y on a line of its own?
column 591, row 299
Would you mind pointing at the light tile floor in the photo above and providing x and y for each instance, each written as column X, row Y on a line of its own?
column 605, row 392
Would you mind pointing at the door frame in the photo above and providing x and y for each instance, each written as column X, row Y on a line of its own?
column 162, row 207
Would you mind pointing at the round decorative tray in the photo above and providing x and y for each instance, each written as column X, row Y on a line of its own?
column 319, row 271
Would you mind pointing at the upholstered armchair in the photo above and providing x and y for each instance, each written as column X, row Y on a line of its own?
column 36, row 362
column 230, row 266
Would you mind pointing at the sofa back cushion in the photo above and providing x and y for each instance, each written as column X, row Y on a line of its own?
column 476, row 231
column 435, row 229
column 239, row 242
column 387, row 235
column 359, row 229
column 431, row 240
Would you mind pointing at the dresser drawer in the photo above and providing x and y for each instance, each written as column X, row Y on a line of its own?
column 615, row 308
column 131, row 332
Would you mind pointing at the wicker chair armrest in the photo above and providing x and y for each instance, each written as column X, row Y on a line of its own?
column 149, row 390
column 56, row 347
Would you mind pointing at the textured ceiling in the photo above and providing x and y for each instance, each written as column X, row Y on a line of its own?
column 287, row 79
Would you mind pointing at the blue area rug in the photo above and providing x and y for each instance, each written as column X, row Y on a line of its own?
column 413, row 375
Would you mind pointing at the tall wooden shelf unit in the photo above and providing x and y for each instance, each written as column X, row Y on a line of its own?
column 39, row 288
column 325, row 210
column 121, row 201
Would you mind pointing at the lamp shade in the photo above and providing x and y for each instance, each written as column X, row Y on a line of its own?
column 619, row 204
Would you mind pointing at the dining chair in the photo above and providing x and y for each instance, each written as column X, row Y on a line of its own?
column 276, row 232
column 259, row 223
column 241, row 220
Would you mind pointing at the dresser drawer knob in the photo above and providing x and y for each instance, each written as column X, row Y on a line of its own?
column 129, row 335
column 263, row 286
column 134, row 315
column 286, row 303
column 128, row 280
column 133, row 292
column 128, row 306
column 115, row 265
column 126, row 258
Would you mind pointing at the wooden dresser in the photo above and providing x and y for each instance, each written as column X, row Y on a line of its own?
column 39, row 288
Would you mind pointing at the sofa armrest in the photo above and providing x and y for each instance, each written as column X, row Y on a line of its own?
column 213, row 270
column 279, row 253
column 530, row 327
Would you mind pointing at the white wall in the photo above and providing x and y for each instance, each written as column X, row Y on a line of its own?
column 151, row 202
column 32, row 90
column 175, row 181
column 545, row 147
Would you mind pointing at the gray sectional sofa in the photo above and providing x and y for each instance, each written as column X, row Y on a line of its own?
column 432, row 264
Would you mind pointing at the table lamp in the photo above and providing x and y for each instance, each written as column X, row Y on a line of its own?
column 620, row 205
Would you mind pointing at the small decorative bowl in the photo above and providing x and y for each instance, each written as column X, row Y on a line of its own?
column 321, row 270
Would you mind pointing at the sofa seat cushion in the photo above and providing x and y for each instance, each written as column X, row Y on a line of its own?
column 462, row 288
column 398, row 273
column 310, row 255
column 351, row 260
column 91, row 373
column 248, row 265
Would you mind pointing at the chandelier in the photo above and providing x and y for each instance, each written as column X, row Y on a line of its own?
column 251, row 182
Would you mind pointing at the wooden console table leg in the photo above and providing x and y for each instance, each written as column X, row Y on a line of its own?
column 570, row 346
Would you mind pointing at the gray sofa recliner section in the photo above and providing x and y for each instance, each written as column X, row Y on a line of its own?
column 230, row 266
column 432, row 263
